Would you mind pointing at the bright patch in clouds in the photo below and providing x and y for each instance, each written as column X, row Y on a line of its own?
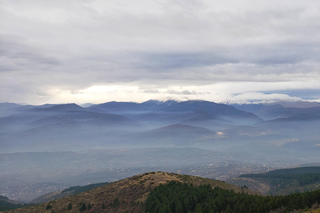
column 240, row 92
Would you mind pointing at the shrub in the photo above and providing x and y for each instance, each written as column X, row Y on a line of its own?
column 83, row 207
column 69, row 206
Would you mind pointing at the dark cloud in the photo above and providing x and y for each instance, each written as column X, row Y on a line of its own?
column 171, row 60
column 17, row 54
column 275, row 54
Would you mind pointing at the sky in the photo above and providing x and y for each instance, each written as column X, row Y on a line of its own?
column 95, row 51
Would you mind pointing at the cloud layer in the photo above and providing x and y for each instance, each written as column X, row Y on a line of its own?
column 95, row 51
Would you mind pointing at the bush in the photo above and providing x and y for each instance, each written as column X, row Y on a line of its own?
column 69, row 206
column 83, row 207
column 116, row 202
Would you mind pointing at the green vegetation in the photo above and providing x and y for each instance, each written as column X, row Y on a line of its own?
column 299, row 176
column 181, row 197
column 126, row 195
column 3, row 197
column 4, row 205
column 48, row 207
column 116, row 202
column 281, row 181
column 82, row 207
column 69, row 206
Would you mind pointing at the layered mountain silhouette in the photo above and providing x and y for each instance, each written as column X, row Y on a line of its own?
column 174, row 135
column 283, row 110
column 151, row 123
column 51, row 142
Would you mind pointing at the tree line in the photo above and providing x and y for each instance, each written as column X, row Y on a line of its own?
column 300, row 176
column 176, row 197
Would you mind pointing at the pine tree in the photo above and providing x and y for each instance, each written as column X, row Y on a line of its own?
column 178, row 207
column 198, row 208
column 83, row 207
column 69, row 206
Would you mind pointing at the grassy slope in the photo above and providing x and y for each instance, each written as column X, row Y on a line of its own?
column 131, row 194
column 65, row 193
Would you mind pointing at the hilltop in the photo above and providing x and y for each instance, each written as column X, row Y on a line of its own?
column 127, row 195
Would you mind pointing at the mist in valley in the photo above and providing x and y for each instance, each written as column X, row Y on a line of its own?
column 97, row 91
column 50, row 147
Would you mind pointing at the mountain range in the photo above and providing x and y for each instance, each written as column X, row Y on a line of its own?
column 69, row 124
column 59, row 145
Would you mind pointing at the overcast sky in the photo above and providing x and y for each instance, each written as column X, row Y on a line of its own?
column 63, row 51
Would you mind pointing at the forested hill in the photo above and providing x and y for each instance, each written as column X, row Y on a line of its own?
column 282, row 181
column 157, row 192
column 6, row 203
column 302, row 176
column 127, row 195
column 179, row 197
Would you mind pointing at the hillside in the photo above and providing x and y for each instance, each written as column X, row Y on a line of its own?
column 66, row 192
column 127, row 195
column 179, row 197
column 6, row 203
column 282, row 181
column 169, row 192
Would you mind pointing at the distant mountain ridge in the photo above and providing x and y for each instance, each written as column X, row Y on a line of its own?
column 115, row 107
column 282, row 109
column 172, row 135
column 177, row 112
column 58, row 108
column 112, row 124
column 69, row 145
column 64, row 125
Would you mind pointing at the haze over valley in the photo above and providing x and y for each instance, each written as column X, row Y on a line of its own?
column 50, row 147
column 92, row 92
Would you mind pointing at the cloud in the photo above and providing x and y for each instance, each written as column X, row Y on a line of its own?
column 183, row 92
column 71, row 46
column 151, row 91
column 258, row 97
